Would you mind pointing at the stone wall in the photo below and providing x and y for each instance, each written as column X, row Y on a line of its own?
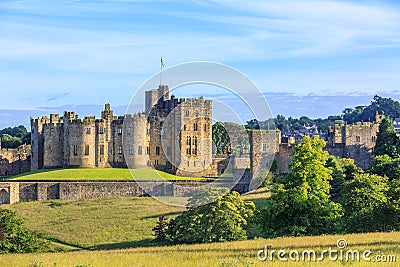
column 15, row 191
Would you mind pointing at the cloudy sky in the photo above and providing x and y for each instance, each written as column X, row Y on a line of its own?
column 57, row 53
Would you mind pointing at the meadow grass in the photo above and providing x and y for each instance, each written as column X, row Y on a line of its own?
column 101, row 174
column 96, row 223
column 240, row 253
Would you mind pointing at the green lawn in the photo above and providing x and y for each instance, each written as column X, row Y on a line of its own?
column 100, row 174
column 102, row 223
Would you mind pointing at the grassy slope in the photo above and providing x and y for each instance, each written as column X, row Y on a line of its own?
column 100, row 174
column 101, row 223
column 127, row 222
column 242, row 253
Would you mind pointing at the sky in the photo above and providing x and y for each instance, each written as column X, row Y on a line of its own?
column 308, row 57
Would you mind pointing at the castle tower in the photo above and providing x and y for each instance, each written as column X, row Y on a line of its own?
column 151, row 99
column 163, row 93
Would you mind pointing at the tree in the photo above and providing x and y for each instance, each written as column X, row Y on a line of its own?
column 393, row 208
column 8, row 141
column 300, row 204
column 160, row 230
column 386, row 139
column 221, row 139
column 364, row 203
column 338, row 178
column 15, row 238
column 383, row 165
column 225, row 219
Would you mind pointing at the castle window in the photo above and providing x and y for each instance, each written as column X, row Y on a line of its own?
column 374, row 139
column 101, row 130
column 119, row 130
column 131, row 150
column 75, row 150
column 194, row 151
column 129, row 130
column 111, row 151
column 184, row 127
column 205, row 127
column 87, row 130
column 148, row 150
column 86, row 150
column 194, row 140
column 120, row 150
column 140, row 150
column 194, row 163
column 187, row 151
column 197, row 114
column 157, row 150
column 187, row 140
column 195, row 127
column 188, row 164
column 156, row 162
column 264, row 147
column 358, row 139
column 101, row 149
column 147, row 131
column 186, row 113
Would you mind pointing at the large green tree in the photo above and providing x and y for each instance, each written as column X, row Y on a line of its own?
column 386, row 140
column 300, row 204
column 223, row 219
column 364, row 203
column 384, row 165
column 14, row 238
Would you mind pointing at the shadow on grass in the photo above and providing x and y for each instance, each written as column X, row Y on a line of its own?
column 172, row 213
column 148, row 242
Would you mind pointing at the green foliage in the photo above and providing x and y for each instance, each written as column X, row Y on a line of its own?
column 8, row 141
column 221, row 139
column 225, row 219
column 338, row 178
column 384, row 165
column 14, row 137
column 387, row 142
column 365, row 203
column 160, row 230
column 14, row 238
column 300, row 204
column 389, row 106
column 19, row 131
column 393, row 208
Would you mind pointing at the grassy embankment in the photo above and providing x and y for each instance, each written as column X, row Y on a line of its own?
column 99, row 228
column 100, row 174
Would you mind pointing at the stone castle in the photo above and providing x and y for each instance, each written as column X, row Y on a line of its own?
column 137, row 141
column 172, row 135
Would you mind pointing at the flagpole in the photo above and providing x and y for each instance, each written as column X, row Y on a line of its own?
column 161, row 69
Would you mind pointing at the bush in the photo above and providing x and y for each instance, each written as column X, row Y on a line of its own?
column 224, row 219
column 14, row 238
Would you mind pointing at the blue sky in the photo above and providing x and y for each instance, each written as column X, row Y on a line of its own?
column 56, row 53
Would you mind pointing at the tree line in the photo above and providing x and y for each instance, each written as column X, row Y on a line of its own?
column 13, row 137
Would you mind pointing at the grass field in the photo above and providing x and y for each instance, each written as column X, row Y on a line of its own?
column 100, row 174
column 242, row 253
column 118, row 232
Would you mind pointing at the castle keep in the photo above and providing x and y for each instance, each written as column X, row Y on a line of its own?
column 173, row 135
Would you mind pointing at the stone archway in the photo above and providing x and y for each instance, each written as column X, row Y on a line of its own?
column 4, row 196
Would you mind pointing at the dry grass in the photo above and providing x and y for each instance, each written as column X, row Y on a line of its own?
column 243, row 253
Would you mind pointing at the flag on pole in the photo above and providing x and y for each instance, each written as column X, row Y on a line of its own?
column 162, row 63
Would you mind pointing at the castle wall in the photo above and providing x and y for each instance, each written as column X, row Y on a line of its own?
column 14, row 161
column 264, row 145
column 14, row 191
